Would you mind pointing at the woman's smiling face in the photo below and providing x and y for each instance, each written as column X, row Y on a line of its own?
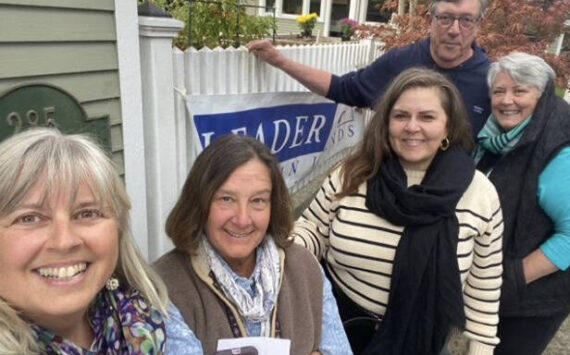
column 56, row 254
column 511, row 102
column 417, row 125
column 239, row 215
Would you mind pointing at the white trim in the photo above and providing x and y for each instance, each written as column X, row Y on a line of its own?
column 322, row 10
column 288, row 16
column 126, row 19
column 306, row 7
column 165, row 27
column 353, row 9
column 320, row 19
column 328, row 12
column 363, row 11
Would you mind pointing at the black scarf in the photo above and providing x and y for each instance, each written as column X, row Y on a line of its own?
column 425, row 296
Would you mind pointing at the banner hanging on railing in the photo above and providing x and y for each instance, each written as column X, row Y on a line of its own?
column 306, row 132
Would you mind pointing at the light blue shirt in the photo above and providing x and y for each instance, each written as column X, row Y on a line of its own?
column 181, row 340
column 554, row 198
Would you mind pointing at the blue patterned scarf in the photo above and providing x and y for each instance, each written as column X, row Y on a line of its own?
column 267, row 277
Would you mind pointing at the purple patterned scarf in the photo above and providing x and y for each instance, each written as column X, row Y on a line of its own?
column 123, row 323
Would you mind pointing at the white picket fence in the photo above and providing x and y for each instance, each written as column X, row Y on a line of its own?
column 236, row 71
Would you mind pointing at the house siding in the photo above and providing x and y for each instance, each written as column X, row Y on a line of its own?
column 70, row 44
column 287, row 26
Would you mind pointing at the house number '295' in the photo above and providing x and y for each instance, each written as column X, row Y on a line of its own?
column 32, row 119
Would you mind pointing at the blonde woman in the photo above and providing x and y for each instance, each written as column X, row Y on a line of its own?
column 71, row 280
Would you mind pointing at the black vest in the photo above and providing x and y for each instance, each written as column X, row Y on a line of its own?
column 515, row 176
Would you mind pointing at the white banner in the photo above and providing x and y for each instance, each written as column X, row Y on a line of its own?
column 307, row 133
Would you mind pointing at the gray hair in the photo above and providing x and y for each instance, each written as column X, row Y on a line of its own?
column 47, row 156
column 524, row 68
column 482, row 5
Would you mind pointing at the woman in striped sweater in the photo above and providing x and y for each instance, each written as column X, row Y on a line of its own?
column 410, row 233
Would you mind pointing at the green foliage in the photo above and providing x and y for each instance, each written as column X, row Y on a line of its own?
column 220, row 24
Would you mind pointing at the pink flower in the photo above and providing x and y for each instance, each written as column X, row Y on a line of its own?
column 348, row 21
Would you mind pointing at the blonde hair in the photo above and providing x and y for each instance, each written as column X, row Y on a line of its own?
column 68, row 160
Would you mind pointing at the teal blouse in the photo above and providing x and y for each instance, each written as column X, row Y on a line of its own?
column 554, row 198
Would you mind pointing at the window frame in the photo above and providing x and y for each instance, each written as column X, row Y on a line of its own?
column 281, row 15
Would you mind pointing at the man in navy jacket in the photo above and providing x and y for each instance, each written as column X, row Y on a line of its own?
column 450, row 49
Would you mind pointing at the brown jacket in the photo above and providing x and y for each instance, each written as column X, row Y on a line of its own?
column 299, row 305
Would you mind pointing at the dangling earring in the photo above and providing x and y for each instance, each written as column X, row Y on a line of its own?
column 445, row 144
column 112, row 284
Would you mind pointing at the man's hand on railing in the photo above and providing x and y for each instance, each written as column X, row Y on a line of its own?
column 316, row 80
column 264, row 50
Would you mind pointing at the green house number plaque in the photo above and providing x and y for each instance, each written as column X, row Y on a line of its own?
column 42, row 105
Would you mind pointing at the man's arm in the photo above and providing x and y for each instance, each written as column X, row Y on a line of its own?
column 316, row 80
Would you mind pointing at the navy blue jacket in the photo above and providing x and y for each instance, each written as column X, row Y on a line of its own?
column 363, row 87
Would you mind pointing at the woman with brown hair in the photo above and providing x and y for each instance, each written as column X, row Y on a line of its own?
column 410, row 233
column 234, row 272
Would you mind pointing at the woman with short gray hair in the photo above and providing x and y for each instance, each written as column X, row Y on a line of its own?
column 523, row 68
column 524, row 148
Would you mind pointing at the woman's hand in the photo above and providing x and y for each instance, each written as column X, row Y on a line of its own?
column 537, row 265
column 315, row 353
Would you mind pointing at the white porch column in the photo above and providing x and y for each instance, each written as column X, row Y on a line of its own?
column 278, row 7
column 132, row 123
column 160, row 127
column 328, row 13
column 363, row 10
column 353, row 9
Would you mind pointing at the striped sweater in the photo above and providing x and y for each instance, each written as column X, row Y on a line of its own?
column 359, row 249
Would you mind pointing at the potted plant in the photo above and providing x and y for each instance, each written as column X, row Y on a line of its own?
column 307, row 23
column 347, row 28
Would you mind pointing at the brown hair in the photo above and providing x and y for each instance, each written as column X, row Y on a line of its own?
column 213, row 166
column 366, row 160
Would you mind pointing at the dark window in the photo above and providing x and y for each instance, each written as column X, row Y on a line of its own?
column 293, row 7
column 374, row 12
column 315, row 6
column 269, row 4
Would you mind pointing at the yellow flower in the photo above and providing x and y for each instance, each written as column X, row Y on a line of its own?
column 307, row 18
